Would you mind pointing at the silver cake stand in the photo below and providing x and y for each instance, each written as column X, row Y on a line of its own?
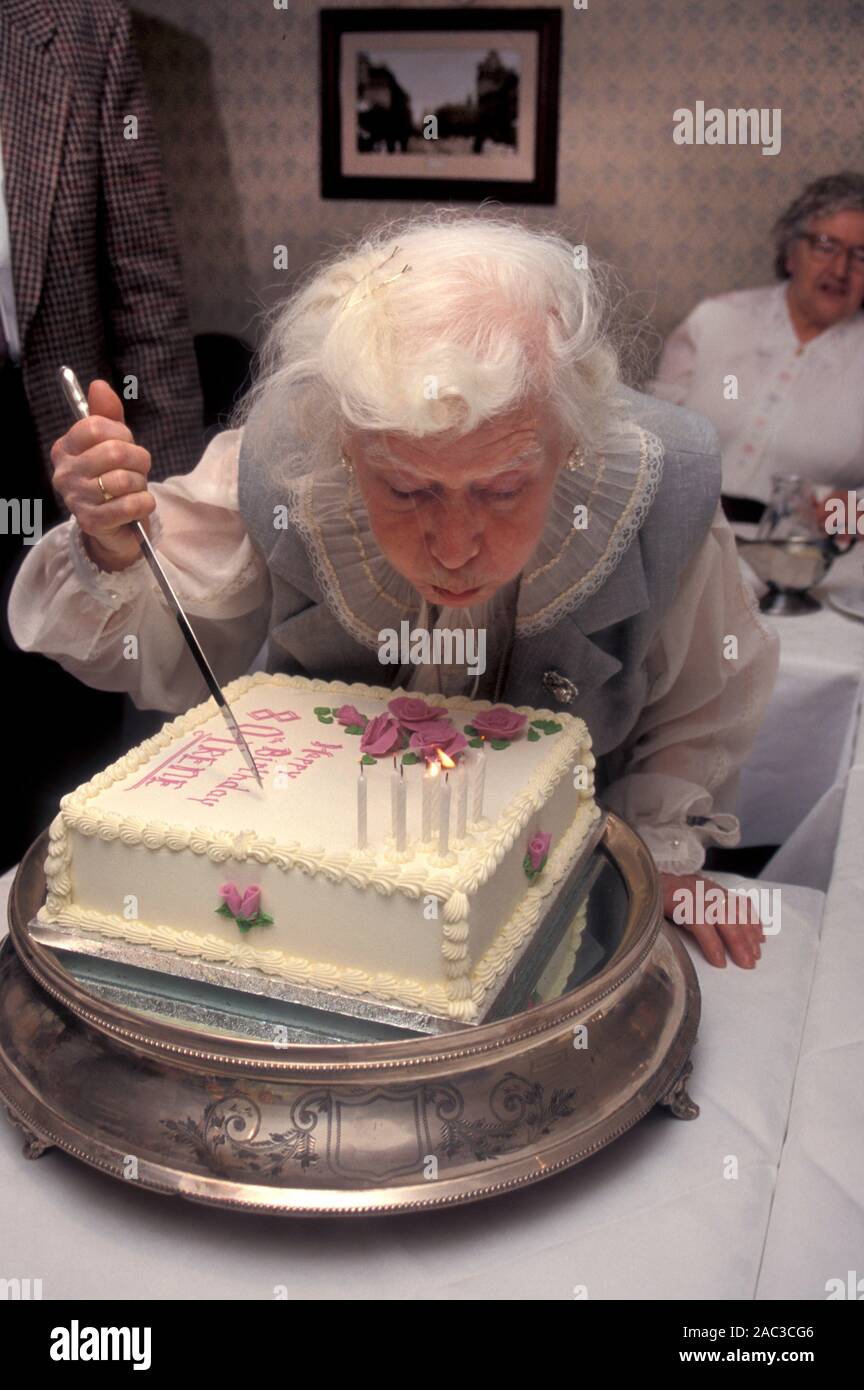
column 201, row 1101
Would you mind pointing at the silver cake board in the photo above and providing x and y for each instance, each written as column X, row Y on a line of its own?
column 163, row 983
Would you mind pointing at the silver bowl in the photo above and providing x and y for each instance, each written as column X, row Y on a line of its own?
column 790, row 568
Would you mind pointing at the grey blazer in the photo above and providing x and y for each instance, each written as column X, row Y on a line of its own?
column 599, row 648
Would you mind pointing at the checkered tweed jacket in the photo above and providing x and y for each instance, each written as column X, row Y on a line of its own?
column 94, row 260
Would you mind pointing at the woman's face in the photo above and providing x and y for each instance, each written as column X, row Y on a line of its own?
column 458, row 519
column 827, row 289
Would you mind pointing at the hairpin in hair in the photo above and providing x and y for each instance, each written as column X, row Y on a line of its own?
column 362, row 290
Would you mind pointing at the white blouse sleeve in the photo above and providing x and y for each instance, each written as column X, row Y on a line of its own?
column 677, row 362
column 85, row 618
column 711, row 669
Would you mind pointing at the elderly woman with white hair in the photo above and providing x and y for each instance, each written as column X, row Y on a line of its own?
column 438, row 437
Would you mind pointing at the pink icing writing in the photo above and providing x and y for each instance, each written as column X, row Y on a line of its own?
column 203, row 750
column 303, row 759
column 200, row 751
column 282, row 716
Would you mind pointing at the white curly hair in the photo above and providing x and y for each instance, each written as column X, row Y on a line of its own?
column 487, row 315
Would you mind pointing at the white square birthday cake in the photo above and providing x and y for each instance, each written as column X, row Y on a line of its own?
column 399, row 848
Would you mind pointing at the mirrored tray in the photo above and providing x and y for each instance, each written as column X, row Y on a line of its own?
column 246, row 1101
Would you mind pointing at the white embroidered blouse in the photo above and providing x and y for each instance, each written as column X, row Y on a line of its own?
column 778, row 406
column 682, row 757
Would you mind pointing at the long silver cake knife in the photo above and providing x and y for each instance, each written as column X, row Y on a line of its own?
column 78, row 401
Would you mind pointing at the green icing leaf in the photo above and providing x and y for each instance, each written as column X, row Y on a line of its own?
column 367, row 759
column 408, row 759
column 324, row 716
column 533, row 736
column 476, row 742
column 353, row 728
column 471, row 731
column 552, row 727
column 244, row 924
column 261, row 919
column 500, row 742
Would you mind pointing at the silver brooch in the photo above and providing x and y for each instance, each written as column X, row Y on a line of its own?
column 563, row 689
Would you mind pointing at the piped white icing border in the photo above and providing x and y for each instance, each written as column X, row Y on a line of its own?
column 474, row 865
column 349, row 980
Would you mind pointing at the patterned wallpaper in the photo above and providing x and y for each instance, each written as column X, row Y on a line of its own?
column 234, row 86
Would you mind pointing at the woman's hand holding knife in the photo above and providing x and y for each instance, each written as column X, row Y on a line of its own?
column 102, row 446
column 101, row 474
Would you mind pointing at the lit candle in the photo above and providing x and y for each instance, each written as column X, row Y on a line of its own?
column 431, row 790
column 398, row 807
column 479, row 782
column 461, row 779
column 444, row 817
column 361, row 809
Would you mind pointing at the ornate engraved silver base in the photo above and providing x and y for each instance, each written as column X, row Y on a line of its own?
column 371, row 1127
column 677, row 1099
column 33, row 1147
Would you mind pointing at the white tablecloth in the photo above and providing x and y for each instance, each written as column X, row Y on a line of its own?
column 821, row 1185
column 792, row 786
column 651, row 1216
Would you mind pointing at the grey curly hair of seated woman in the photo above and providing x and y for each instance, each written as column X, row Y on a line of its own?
column 842, row 192
column 437, row 323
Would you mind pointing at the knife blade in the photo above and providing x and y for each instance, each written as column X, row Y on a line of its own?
column 78, row 402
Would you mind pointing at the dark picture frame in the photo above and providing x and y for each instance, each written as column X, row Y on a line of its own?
column 507, row 125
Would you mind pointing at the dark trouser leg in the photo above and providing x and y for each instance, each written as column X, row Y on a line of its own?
column 58, row 733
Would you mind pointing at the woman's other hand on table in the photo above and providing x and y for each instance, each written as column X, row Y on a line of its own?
column 740, row 938
column 102, row 446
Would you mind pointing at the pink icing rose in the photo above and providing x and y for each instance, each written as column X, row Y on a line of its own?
column 438, row 734
column 433, row 729
column 251, row 901
column 231, row 896
column 382, row 735
column 246, row 906
column 499, row 722
column 411, row 713
column 538, row 848
column 347, row 714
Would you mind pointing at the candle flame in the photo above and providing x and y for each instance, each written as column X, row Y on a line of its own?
column 444, row 760
column 433, row 768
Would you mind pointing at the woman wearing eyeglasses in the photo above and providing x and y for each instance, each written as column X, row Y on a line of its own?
column 779, row 370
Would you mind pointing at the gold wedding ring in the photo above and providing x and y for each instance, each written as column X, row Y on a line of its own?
column 106, row 495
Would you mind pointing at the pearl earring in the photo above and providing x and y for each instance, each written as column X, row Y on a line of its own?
column 575, row 458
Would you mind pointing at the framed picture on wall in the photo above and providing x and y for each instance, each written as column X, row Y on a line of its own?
column 440, row 104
